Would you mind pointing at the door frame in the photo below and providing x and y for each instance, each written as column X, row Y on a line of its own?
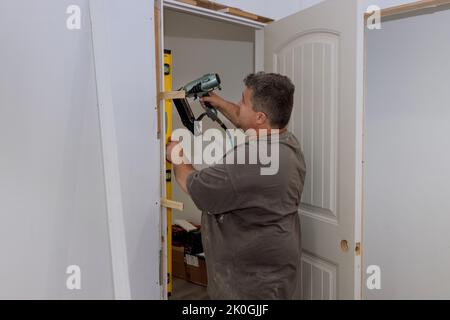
column 220, row 16
column 160, row 6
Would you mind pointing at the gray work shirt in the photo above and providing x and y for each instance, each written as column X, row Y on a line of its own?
column 250, row 223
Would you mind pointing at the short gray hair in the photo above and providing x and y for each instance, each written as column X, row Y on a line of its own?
column 272, row 94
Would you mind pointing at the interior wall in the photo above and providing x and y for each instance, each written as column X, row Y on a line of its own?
column 53, row 211
column 52, row 193
column 407, row 141
column 200, row 45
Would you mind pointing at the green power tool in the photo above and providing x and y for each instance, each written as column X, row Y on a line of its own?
column 200, row 87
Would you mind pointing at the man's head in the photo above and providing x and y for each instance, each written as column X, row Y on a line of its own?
column 266, row 102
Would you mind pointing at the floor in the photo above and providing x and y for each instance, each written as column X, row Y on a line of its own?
column 185, row 290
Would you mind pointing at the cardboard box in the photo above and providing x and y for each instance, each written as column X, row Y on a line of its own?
column 178, row 265
column 187, row 263
column 196, row 269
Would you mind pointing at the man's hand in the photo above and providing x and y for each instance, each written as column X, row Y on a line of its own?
column 171, row 145
column 215, row 100
column 227, row 108
column 181, row 169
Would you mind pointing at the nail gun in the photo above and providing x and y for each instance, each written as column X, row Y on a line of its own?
column 195, row 89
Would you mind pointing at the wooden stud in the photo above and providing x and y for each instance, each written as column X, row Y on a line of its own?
column 166, row 203
column 210, row 5
column 226, row 9
column 170, row 95
column 411, row 7
column 239, row 13
column 191, row 2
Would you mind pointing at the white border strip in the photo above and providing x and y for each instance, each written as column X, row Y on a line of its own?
column 119, row 257
column 184, row 7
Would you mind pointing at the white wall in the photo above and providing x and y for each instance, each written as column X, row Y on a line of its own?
column 206, row 46
column 407, row 203
column 52, row 197
column 52, row 188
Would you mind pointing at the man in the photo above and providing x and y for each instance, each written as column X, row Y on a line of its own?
column 250, row 224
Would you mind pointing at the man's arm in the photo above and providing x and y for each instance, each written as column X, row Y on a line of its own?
column 211, row 189
column 182, row 171
column 227, row 108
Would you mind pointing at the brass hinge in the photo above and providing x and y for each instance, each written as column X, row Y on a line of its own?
column 358, row 249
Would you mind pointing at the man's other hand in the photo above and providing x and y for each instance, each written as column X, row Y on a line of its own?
column 173, row 149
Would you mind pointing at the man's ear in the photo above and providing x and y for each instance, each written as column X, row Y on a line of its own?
column 261, row 118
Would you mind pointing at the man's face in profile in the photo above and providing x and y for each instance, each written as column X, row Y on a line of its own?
column 247, row 116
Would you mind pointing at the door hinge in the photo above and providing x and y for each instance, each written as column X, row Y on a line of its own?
column 358, row 249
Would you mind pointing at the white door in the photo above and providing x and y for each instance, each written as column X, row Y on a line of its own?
column 319, row 48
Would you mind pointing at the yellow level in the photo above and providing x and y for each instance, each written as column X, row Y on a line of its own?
column 168, row 118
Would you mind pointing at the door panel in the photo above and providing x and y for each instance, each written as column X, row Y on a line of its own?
column 317, row 48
